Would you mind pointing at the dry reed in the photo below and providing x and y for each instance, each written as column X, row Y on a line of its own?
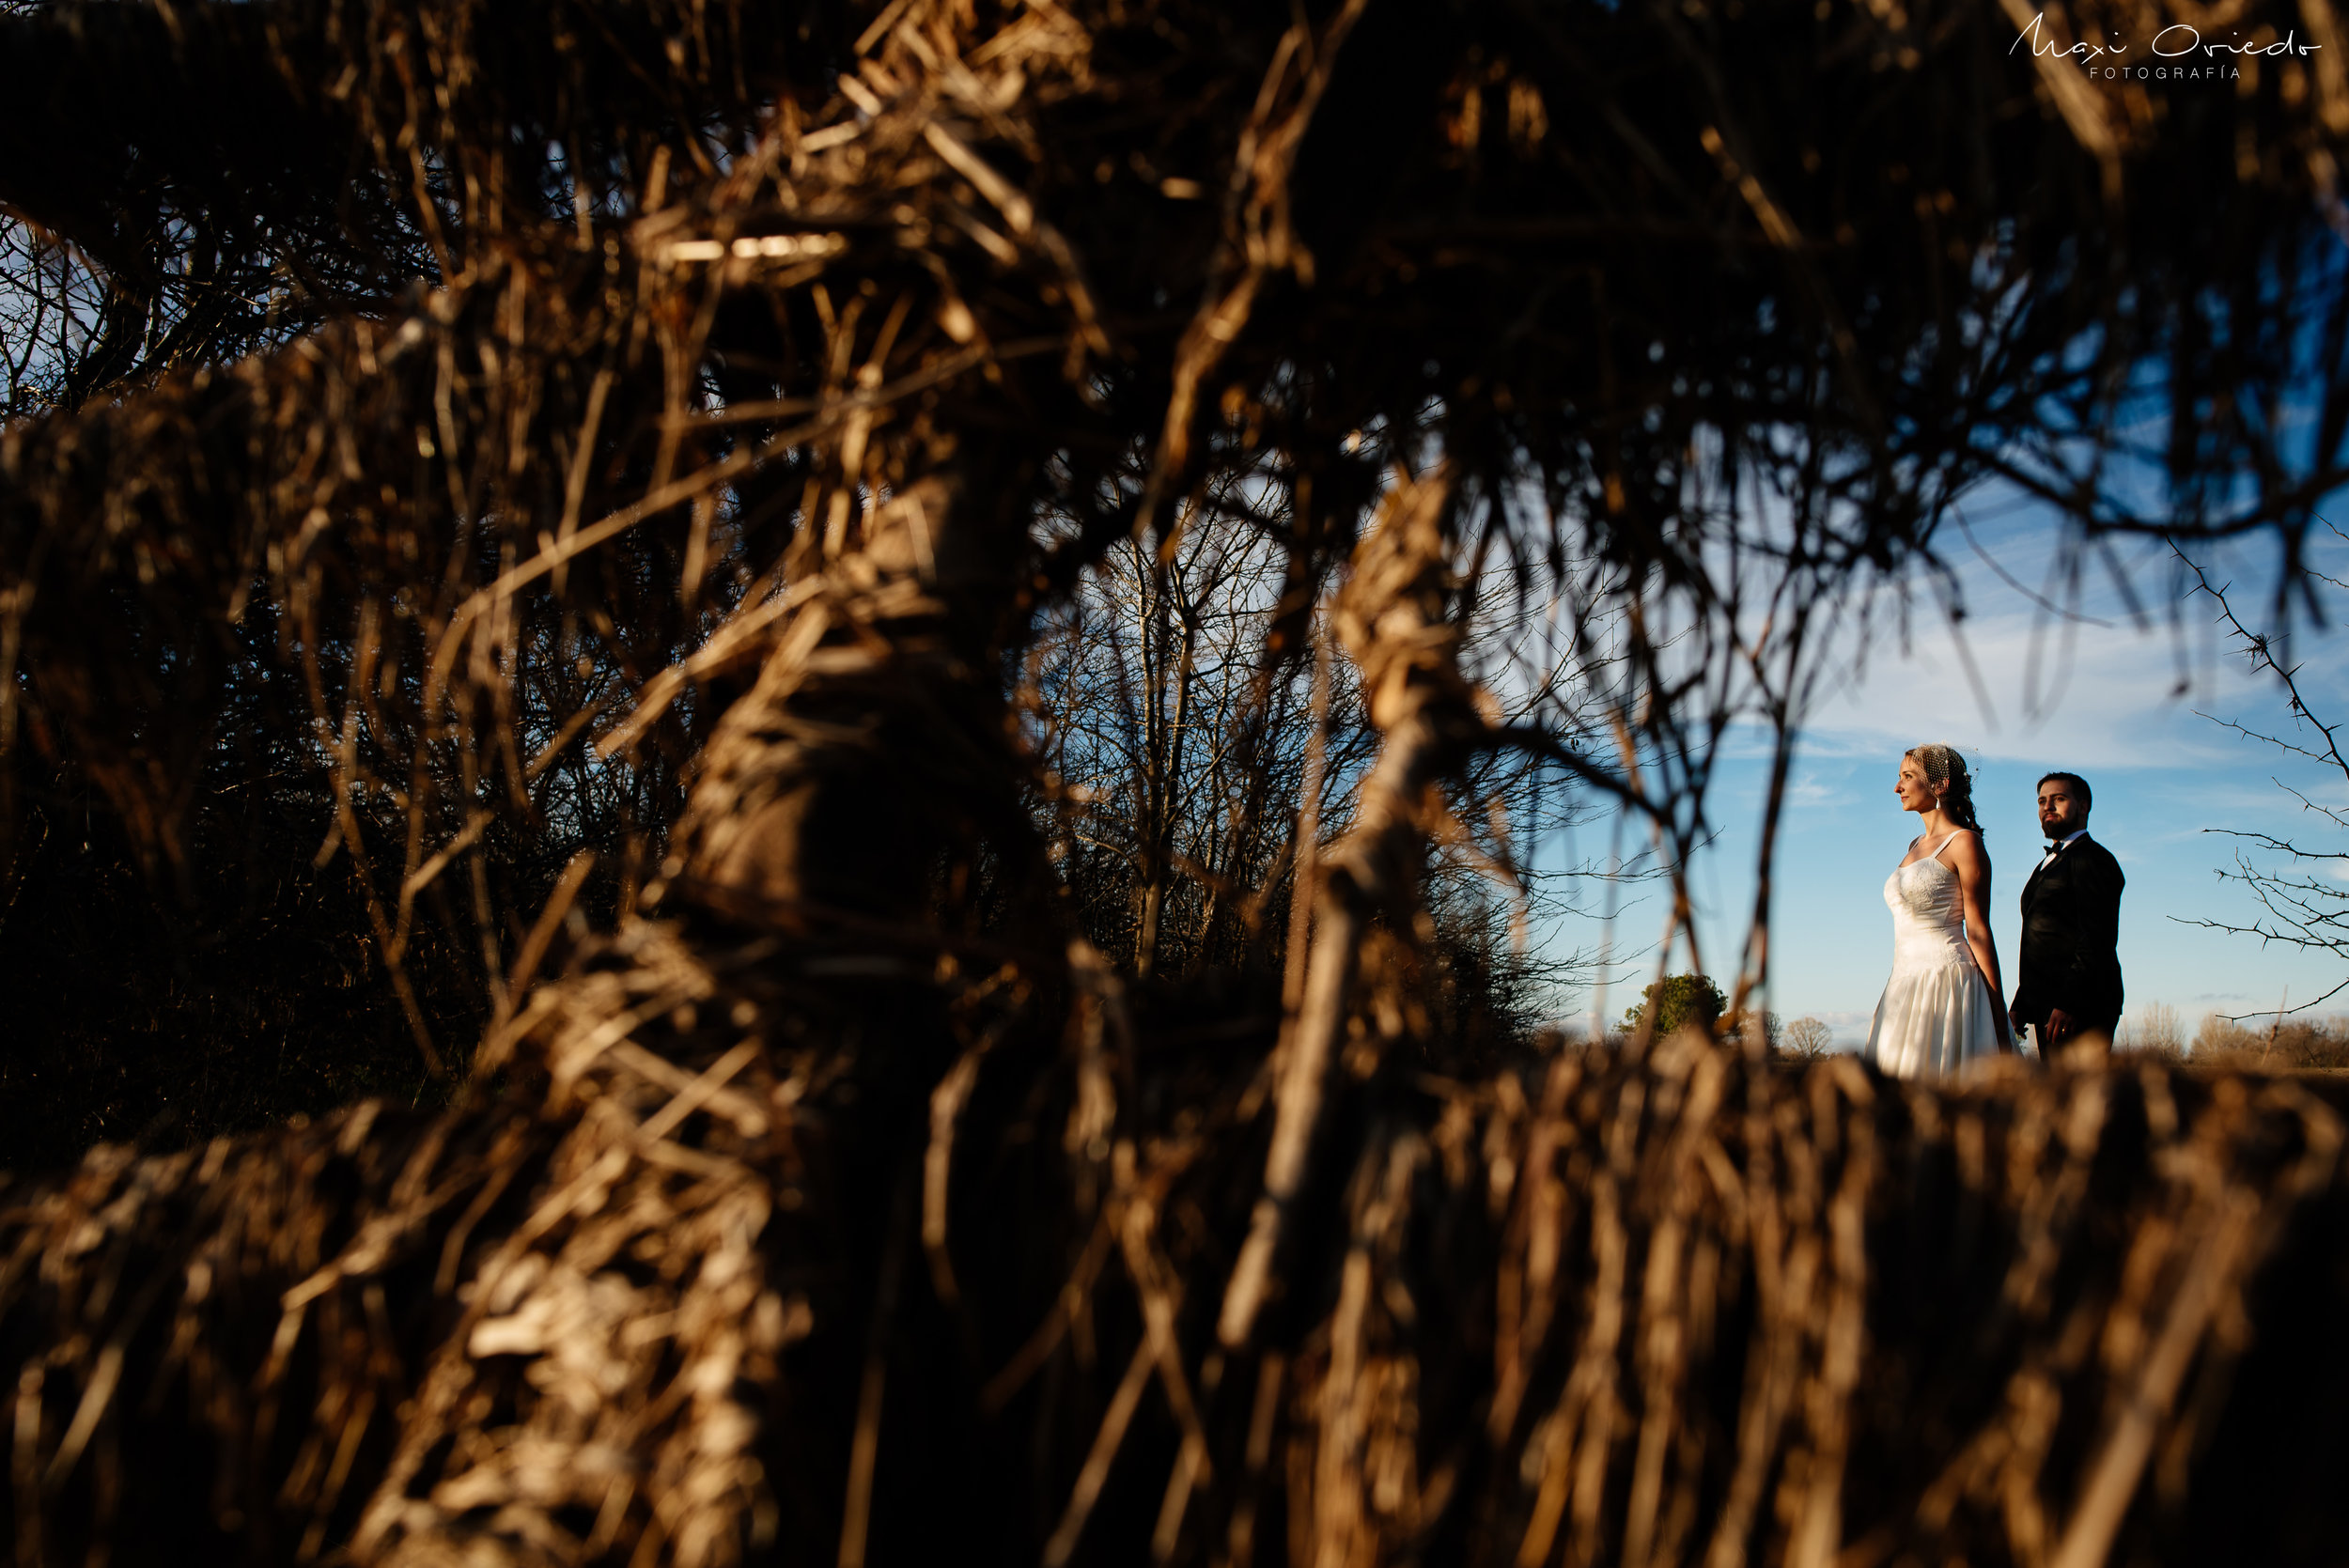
column 842, row 1203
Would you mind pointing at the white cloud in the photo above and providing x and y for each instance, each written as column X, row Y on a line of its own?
column 1808, row 792
column 2117, row 707
column 2043, row 688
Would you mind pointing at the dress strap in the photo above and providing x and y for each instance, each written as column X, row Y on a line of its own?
column 1934, row 852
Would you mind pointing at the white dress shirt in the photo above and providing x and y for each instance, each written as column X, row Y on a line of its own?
column 2045, row 861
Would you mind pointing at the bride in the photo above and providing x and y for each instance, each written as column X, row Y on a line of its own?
column 1940, row 1008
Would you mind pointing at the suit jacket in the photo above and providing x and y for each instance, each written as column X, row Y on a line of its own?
column 2071, row 937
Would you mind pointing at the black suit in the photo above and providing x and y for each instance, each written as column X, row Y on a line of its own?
column 2070, row 935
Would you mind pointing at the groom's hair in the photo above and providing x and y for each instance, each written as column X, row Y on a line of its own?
column 2079, row 787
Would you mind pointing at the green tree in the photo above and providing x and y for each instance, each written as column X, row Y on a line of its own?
column 1674, row 1000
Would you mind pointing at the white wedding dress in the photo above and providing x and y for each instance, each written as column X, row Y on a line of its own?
column 1937, row 1012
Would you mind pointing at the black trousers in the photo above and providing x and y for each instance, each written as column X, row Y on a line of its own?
column 2109, row 1028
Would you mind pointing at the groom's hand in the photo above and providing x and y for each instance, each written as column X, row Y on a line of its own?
column 2059, row 1025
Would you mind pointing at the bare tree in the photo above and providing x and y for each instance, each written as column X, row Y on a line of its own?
column 1809, row 1038
column 1179, row 748
column 2304, row 904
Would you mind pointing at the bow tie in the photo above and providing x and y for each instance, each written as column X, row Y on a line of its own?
column 2057, row 845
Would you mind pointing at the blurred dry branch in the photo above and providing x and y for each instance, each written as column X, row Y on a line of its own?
column 1677, row 1308
column 591, row 530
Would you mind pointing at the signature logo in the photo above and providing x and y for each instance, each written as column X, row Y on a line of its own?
column 2180, row 49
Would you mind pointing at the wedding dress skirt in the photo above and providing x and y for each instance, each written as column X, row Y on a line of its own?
column 1937, row 1012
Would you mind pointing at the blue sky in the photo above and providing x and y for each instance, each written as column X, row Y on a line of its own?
column 2106, row 707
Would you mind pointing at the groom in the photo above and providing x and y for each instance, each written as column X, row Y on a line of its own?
column 2070, row 984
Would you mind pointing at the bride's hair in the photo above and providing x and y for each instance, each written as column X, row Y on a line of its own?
column 1945, row 769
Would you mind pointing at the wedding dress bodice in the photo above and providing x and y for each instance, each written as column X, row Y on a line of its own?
column 1928, row 916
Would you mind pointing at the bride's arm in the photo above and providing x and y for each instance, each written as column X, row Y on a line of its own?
column 1973, row 886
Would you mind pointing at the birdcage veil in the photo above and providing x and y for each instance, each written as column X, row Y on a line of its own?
column 1945, row 769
